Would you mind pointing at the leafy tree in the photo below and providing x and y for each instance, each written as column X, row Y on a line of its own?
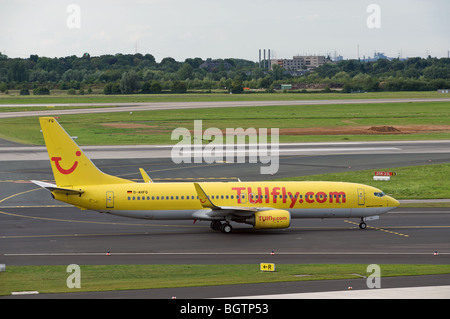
column 237, row 86
column 3, row 87
column 124, row 72
column 41, row 91
column 129, row 83
column 277, row 72
column 169, row 65
column 112, row 88
column 178, row 87
column 155, row 87
column 185, row 72
column 18, row 72
column 24, row 91
column 437, row 72
column 266, row 82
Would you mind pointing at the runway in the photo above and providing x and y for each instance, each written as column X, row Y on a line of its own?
column 36, row 230
column 64, row 235
column 15, row 153
column 150, row 106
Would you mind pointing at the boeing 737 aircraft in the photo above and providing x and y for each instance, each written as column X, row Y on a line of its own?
column 264, row 205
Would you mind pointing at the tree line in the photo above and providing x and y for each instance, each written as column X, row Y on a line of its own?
column 138, row 73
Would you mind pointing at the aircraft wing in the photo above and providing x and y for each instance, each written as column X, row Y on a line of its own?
column 212, row 211
column 54, row 188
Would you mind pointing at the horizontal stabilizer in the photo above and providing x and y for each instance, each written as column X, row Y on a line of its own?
column 54, row 188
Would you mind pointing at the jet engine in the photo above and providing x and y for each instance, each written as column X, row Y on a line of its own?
column 270, row 219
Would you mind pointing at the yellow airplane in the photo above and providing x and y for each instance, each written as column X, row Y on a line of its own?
column 264, row 205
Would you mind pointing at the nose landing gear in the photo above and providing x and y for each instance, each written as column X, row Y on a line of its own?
column 362, row 224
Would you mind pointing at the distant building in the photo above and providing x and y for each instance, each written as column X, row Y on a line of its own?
column 288, row 65
column 311, row 61
column 377, row 56
column 298, row 63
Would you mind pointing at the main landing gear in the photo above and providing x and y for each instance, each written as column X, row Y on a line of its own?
column 224, row 228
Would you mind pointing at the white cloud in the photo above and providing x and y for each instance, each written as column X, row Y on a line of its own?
column 233, row 28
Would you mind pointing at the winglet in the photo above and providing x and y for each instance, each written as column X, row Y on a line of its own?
column 204, row 199
column 145, row 176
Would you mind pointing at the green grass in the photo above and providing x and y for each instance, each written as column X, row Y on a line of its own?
column 157, row 126
column 61, row 97
column 412, row 182
column 52, row 279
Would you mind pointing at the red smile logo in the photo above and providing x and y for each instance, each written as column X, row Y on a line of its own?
column 62, row 170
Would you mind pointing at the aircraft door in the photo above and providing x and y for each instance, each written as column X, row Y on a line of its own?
column 109, row 199
column 361, row 196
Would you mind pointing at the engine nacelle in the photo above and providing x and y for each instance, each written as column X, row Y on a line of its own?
column 270, row 219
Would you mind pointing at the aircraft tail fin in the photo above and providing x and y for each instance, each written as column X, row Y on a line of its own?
column 70, row 165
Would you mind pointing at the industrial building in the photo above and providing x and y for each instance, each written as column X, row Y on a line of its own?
column 299, row 62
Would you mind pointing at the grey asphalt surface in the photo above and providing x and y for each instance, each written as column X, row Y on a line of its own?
column 148, row 106
column 36, row 230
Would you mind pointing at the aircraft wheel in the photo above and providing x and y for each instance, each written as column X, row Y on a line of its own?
column 216, row 225
column 362, row 225
column 226, row 228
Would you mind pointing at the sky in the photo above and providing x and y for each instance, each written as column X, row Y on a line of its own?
column 225, row 29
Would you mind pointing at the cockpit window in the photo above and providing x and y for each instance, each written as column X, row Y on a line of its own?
column 379, row 194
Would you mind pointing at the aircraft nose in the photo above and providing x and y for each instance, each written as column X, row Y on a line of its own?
column 392, row 202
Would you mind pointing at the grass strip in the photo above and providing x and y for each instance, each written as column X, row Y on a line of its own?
column 156, row 127
column 411, row 182
column 62, row 97
column 52, row 279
